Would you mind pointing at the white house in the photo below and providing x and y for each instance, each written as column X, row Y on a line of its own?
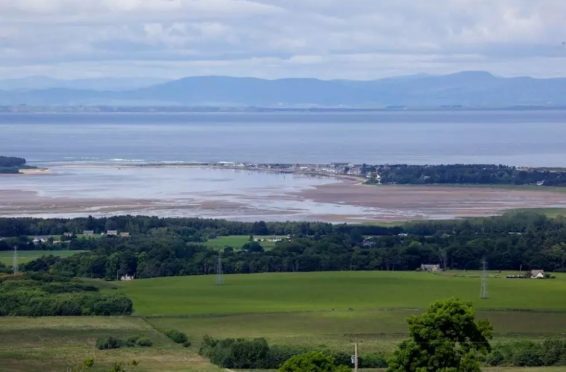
column 537, row 274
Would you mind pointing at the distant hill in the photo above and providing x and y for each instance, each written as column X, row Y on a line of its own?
column 466, row 89
column 99, row 84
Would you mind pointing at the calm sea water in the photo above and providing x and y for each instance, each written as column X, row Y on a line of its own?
column 535, row 138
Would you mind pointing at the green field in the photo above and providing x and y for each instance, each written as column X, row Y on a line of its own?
column 63, row 343
column 336, row 308
column 322, row 309
column 237, row 241
column 6, row 257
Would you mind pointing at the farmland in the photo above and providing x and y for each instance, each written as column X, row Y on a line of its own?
column 6, row 257
column 316, row 310
column 336, row 308
column 63, row 343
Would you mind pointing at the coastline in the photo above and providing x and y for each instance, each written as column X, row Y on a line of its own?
column 336, row 199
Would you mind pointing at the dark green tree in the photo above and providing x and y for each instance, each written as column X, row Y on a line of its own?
column 314, row 361
column 444, row 338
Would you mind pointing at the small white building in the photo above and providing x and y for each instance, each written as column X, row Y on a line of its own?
column 537, row 274
column 111, row 232
column 433, row 268
column 127, row 277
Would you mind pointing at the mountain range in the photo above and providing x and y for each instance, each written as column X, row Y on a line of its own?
column 474, row 89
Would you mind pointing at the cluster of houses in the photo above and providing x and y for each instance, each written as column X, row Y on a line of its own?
column 332, row 169
column 90, row 233
column 65, row 237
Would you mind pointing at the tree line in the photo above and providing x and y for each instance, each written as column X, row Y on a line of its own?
column 10, row 164
column 487, row 174
column 168, row 247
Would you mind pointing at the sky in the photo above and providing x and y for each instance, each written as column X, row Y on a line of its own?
column 327, row 39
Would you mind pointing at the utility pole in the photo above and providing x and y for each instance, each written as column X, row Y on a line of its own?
column 355, row 357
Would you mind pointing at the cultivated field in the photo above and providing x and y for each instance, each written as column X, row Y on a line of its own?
column 336, row 308
column 318, row 310
column 6, row 257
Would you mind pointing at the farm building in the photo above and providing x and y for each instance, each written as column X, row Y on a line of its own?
column 537, row 274
column 430, row 267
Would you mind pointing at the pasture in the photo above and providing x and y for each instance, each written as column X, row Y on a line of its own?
column 6, row 257
column 336, row 308
column 63, row 343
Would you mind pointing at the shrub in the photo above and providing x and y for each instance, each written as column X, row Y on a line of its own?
column 187, row 343
column 177, row 336
column 144, row 342
column 314, row 361
column 373, row 360
column 132, row 341
column 105, row 343
column 88, row 363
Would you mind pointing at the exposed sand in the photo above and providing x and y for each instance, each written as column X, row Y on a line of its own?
column 350, row 202
column 435, row 201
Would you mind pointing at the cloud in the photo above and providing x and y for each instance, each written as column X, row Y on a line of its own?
column 361, row 39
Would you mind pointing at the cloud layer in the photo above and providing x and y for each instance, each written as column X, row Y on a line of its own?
column 359, row 39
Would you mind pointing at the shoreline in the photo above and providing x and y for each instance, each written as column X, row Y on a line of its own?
column 344, row 199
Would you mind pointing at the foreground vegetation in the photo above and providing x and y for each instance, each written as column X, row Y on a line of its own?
column 325, row 311
column 65, row 343
column 43, row 295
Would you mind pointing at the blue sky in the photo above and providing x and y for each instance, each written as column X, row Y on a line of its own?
column 329, row 39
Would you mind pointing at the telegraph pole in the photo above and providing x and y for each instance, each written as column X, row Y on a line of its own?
column 355, row 357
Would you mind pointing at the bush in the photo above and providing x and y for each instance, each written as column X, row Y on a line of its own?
column 132, row 341
column 88, row 363
column 236, row 353
column 144, row 342
column 529, row 354
column 105, row 343
column 177, row 336
column 314, row 361
column 187, row 343
column 373, row 360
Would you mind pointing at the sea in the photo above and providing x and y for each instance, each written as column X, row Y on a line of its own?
column 519, row 137
column 117, row 163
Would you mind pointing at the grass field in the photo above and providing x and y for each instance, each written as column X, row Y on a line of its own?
column 6, row 257
column 323, row 309
column 336, row 308
column 63, row 343
column 237, row 241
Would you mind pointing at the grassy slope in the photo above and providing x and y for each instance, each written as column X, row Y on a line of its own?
column 60, row 343
column 337, row 308
column 26, row 256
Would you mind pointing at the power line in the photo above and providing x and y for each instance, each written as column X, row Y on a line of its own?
column 483, row 290
column 15, row 260
column 219, row 273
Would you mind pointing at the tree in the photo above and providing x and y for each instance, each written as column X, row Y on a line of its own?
column 444, row 338
column 314, row 361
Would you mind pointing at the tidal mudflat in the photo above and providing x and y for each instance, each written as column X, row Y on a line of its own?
column 69, row 190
